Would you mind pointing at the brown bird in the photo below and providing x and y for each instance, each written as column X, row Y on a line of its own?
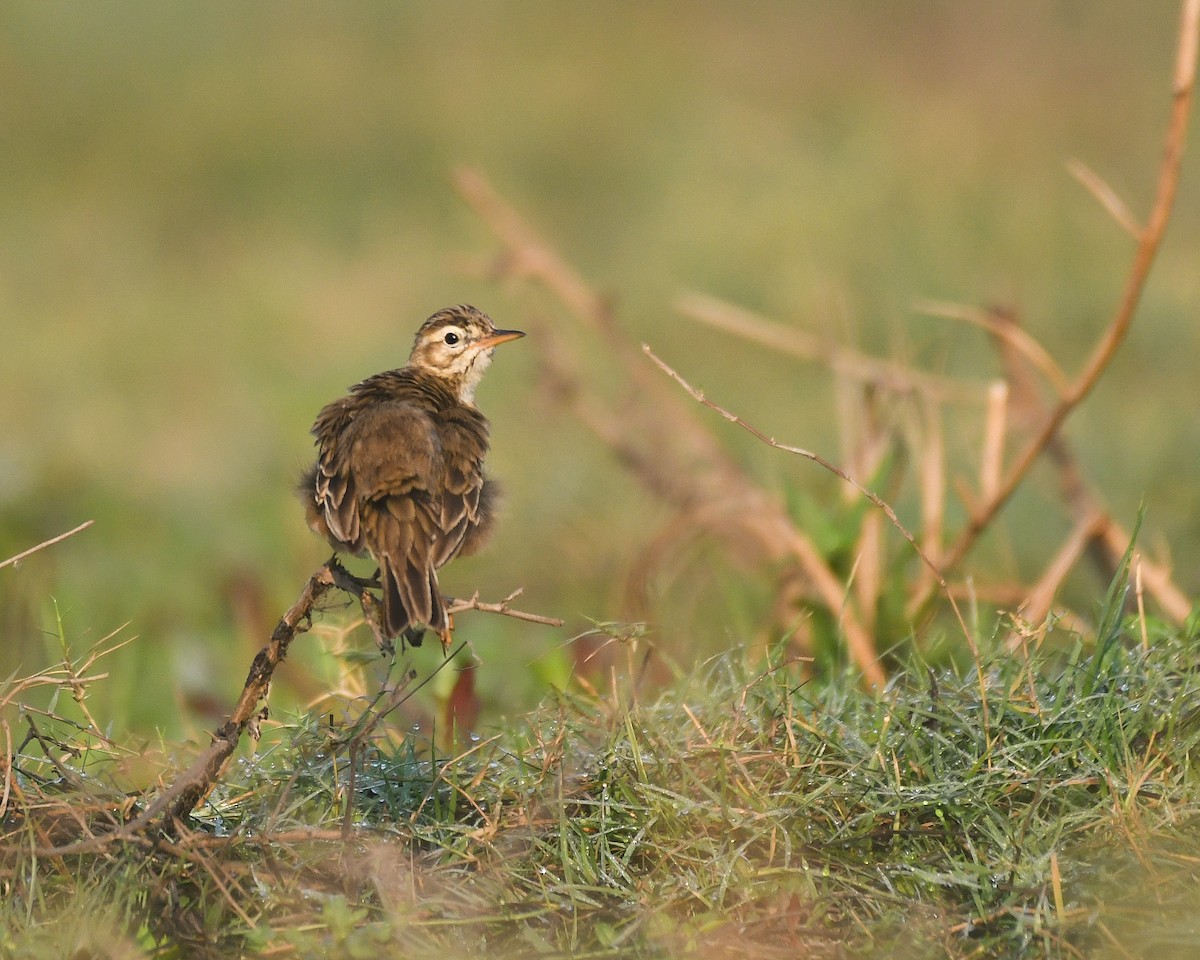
column 399, row 471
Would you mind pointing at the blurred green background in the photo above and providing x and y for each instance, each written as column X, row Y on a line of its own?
column 215, row 217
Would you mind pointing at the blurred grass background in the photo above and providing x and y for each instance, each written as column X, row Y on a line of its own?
column 214, row 218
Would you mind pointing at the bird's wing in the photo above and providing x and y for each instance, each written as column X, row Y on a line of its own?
column 464, row 442
column 459, row 511
column 381, row 479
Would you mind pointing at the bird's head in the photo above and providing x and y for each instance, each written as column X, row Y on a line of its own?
column 456, row 345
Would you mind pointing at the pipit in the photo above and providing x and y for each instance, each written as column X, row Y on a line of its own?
column 399, row 471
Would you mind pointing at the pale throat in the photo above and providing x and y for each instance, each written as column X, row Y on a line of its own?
column 470, row 375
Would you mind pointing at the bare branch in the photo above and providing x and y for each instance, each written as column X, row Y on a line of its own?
column 177, row 801
column 803, row 549
column 502, row 608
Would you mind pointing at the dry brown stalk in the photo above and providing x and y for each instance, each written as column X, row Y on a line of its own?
column 995, row 430
column 887, row 374
column 1107, row 540
column 1015, row 337
column 1150, row 238
column 1157, row 580
column 655, row 433
column 1036, row 605
column 190, row 787
column 670, row 451
column 929, row 442
column 1107, row 197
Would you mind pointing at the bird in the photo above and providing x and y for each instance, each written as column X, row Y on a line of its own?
column 399, row 471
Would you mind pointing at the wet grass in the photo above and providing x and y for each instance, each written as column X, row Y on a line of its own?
column 1036, row 808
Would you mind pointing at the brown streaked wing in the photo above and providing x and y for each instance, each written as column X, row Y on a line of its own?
column 396, row 453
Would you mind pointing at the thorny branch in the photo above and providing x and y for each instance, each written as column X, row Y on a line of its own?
column 176, row 802
column 699, row 397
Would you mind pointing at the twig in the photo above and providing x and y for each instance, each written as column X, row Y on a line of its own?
column 851, row 641
column 1106, row 347
column 657, row 436
column 502, row 608
column 1107, row 541
column 995, row 321
column 178, row 800
column 698, row 395
column 670, row 444
column 46, row 543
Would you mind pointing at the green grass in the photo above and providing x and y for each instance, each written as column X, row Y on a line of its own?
column 1051, row 812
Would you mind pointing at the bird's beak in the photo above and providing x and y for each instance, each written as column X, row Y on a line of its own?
column 501, row 336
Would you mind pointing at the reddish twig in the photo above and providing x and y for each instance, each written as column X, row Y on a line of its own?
column 1149, row 241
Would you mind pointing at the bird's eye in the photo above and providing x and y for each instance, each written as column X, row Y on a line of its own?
column 451, row 338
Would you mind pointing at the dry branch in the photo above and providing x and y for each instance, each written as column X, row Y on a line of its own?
column 654, row 432
column 176, row 802
column 1150, row 239
column 875, row 499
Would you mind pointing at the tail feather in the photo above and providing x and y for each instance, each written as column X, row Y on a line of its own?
column 411, row 602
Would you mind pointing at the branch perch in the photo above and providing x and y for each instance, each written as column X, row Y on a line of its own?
column 177, row 801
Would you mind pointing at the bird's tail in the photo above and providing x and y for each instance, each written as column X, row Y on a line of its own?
column 412, row 601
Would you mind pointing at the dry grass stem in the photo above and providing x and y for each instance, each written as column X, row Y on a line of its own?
column 887, row 374
column 930, row 443
column 995, row 430
column 801, row 544
column 1108, row 198
column 503, row 607
column 995, row 322
column 1038, row 600
column 654, row 433
column 1155, row 576
column 45, row 543
column 1109, row 540
column 816, row 458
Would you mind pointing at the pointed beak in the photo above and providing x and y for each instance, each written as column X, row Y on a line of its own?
column 501, row 336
